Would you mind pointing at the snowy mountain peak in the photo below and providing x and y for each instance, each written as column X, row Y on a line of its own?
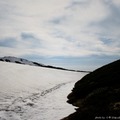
column 19, row 61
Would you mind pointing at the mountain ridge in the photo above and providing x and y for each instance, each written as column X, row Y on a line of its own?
column 23, row 61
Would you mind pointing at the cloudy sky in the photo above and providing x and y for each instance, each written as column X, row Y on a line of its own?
column 78, row 34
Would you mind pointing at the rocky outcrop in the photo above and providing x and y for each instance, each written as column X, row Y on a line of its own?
column 97, row 95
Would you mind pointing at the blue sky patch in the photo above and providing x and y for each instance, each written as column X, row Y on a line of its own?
column 8, row 42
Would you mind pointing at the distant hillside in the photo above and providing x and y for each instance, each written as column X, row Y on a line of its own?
column 27, row 62
column 97, row 95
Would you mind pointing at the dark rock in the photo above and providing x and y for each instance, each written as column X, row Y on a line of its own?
column 97, row 94
column 18, row 62
column 1, row 60
column 38, row 64
column 7, row 60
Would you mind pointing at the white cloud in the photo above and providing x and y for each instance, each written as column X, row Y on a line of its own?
column 61, row 27
column 116, row 2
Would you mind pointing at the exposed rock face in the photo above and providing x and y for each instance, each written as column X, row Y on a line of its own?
column 97, row 95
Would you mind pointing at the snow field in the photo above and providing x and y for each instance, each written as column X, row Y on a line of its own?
column 34, row 93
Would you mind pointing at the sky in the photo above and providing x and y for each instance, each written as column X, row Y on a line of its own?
column 77, row 34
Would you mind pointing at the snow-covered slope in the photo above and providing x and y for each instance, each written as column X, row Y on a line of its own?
column 19, row 61
column 34, row 93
